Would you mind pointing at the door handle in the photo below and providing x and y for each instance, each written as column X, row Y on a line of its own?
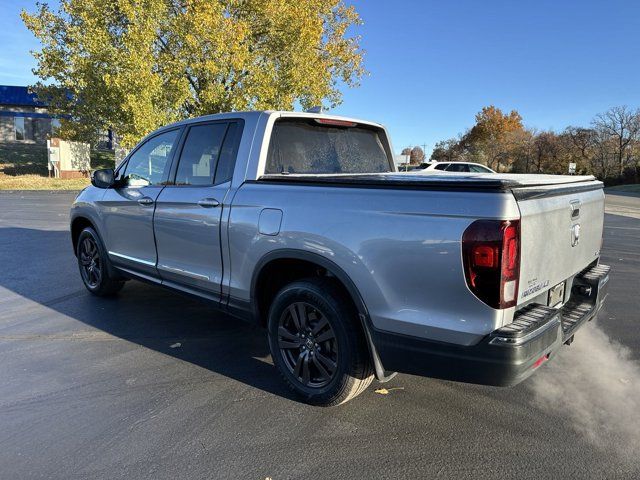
column 145, row 201
column 209, row 202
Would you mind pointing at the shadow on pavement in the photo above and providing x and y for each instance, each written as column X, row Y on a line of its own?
column 150, row 316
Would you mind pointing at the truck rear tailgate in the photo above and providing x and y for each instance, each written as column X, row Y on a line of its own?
column 561, row 234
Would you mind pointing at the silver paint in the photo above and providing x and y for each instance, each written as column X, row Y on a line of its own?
column 401, row 248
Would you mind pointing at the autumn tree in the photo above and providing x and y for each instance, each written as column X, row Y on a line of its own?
column 416, row 156
column 622, row 126
column 489, row 140
column 523, row 150
column 610, row 149
column 583, row 140
column 446, row 150
column 134, row 65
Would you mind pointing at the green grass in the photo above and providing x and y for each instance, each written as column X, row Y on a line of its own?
column 102, row 159
column 24, row 167
column 38, row 182
column 16, row 159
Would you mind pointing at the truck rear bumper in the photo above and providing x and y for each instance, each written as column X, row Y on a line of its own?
column 508, row 355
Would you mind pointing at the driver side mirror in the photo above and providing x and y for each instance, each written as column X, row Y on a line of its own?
column 104, row 178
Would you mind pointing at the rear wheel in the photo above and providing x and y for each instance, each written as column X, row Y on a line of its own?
column 94, row 266
column 317, row 343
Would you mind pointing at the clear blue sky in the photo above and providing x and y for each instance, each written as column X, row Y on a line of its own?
column 434, row 64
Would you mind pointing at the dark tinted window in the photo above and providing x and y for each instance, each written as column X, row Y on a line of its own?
column 148, row 164
column 200, row 153
column 441, row 166
column 228, row 154
column 18, row 124
column 308, row 147
column 458, row 167
column 479, row 169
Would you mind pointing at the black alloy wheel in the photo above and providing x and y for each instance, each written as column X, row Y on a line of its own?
column 308, row 344
column 317, row 342
column 96, row 272
column 90, row 262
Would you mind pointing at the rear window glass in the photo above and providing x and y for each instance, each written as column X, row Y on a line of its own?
column 308, row 147
column 478, row 169
column 458, row 167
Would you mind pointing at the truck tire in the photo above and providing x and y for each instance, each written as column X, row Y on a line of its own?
column 317, row 343
column 94, row 265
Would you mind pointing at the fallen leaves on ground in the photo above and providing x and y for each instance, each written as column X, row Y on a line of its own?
column 387, row 391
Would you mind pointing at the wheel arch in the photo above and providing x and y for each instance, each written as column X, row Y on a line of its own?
column 313, row 259
column 78, row 224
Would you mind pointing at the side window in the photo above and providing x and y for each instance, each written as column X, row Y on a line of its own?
column 227, row 161
column 441, row 166
column 478, row 169
column 457, row 167
column 200, row 153
column 18, row 127
column 149, row 163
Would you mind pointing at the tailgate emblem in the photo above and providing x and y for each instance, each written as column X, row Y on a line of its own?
column 575, row 235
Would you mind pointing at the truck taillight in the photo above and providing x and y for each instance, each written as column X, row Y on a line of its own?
column 491, row 257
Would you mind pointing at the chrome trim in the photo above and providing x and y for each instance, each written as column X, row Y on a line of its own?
column 184, row 272
column 209, row 203
column 132, row 259
column 508, row 341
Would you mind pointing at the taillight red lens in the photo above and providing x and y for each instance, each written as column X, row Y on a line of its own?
column 491, row 257
column 485, row 256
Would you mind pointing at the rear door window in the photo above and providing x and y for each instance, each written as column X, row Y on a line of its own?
column 199, row 157
column 228, row 154
column 458, row 167
column 441, row 166
column 305, row 146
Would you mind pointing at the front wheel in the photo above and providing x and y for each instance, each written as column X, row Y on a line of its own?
column 93, row 265
column 317, row 343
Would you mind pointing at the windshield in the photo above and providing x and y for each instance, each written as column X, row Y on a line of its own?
column 305, row 146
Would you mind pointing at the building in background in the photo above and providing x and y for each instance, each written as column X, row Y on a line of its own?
column 23, row 118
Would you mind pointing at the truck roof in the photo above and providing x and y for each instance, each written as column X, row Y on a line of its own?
column 279, row 113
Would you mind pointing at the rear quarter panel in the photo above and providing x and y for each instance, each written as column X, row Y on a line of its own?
column 400, row 247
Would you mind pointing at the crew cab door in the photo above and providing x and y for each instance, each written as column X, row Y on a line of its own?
column 189, row 210
column 127, row 209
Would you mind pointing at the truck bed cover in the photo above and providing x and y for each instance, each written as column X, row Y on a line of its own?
column 532, row 185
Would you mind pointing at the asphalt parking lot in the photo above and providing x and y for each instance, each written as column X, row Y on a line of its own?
column 153, row 385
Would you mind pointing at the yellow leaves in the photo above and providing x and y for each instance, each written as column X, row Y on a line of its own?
column 387, row 391
column 491, row 122
column 139, row 64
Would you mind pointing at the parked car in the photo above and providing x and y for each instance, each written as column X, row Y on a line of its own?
column 459, row 167
column 299, row 222
column 413, row 168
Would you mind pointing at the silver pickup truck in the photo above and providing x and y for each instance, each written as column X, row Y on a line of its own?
column 300, row 222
